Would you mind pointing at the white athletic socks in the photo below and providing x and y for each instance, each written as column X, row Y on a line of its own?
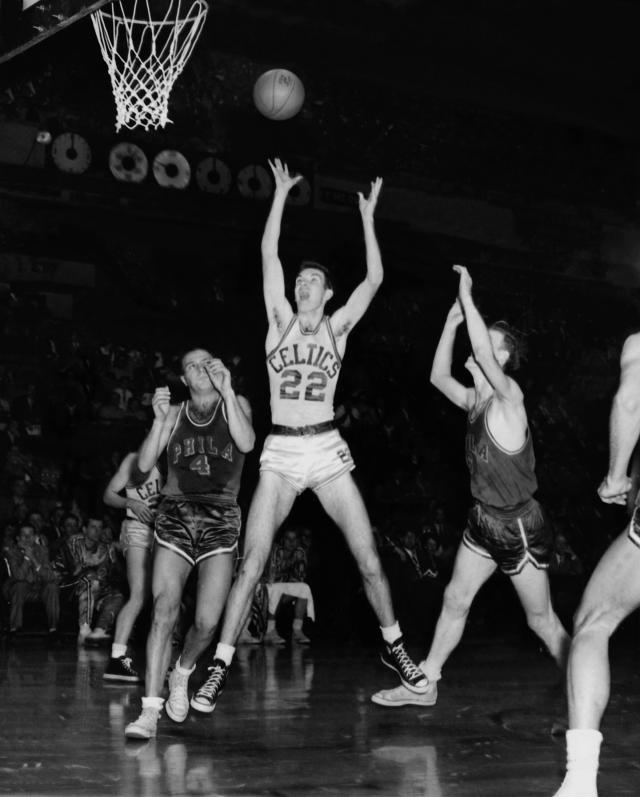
column 184, row 670
column 153, row 702
column 391, row 633
column 224, row 652
column 118, row 651
column 583, row 752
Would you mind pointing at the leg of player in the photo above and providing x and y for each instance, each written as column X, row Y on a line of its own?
column 343, row 503
column 470, row 572
column 271, row 503
column 532, row 586
column 613, row 592
column 120, row 668
column 214, row 581
column 170, row 573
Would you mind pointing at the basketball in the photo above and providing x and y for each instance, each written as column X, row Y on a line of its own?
column 278, row 94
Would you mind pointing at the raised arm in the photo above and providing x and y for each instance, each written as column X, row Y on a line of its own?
column 505, row 388
column 118, row 482
column 237, row 407
column 345, row 318
column 164, row 416
column 278, row 308
column 624, row 425
column 441, row 377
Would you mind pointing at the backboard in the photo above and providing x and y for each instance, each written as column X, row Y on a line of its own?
column 24, row 23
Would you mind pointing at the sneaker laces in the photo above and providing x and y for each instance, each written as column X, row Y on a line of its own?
column 148, row 717
column 213, row 682
column 127, row 664
column 409, row 669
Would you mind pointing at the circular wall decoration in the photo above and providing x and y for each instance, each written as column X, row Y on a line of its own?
column 171, row 169
column 213, row 176
column 71, row 153
column 128, row 162
column 254, row 182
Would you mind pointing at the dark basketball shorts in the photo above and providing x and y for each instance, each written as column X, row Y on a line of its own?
column 197, row 530
column 511, row 539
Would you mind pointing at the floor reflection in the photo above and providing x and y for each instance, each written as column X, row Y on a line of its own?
column 293, row 721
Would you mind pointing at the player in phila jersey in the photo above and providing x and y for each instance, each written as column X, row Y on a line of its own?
column 506, row 526
column 197, row 523
column 613, row 591
column 304, row 350
column 140, row 500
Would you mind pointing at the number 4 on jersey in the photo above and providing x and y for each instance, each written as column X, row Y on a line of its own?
column 200, row 465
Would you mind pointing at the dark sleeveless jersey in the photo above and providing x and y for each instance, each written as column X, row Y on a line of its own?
column 203, row 462
column 499, row 478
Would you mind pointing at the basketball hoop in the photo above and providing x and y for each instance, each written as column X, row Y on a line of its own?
column 144, row 56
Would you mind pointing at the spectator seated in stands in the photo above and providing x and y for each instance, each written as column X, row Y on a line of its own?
column 36, row 521
column 98, row 583
column 285, row 584
column 31, row 578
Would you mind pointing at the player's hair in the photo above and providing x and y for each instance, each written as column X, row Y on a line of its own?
column 190, row 349
column 514, row 342
column 328, row 282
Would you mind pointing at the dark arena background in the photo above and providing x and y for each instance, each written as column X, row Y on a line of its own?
column 508, row 137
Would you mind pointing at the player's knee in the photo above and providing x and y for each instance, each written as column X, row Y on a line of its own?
column 591, row 619
column 370, row 567
column 456, row 600
column 165, row 609
column 541, row 623
column 204, row 627
column 252, row 566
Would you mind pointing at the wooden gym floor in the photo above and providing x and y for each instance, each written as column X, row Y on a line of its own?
column 299, row 722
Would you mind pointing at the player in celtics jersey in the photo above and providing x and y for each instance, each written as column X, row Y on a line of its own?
column 197, row 523
column 506, row 528
column 304, row 350
column 140, row 500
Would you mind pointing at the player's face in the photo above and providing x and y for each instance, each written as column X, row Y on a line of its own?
column 310, row 290
column 499, row 352
column 194, row 369
column 497, row 343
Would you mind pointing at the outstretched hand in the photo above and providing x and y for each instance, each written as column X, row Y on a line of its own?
column 283, row 180
column 615, row 491
column 464, row 288
column 368, row 204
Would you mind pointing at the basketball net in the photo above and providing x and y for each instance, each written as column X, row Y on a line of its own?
column 144, row 56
